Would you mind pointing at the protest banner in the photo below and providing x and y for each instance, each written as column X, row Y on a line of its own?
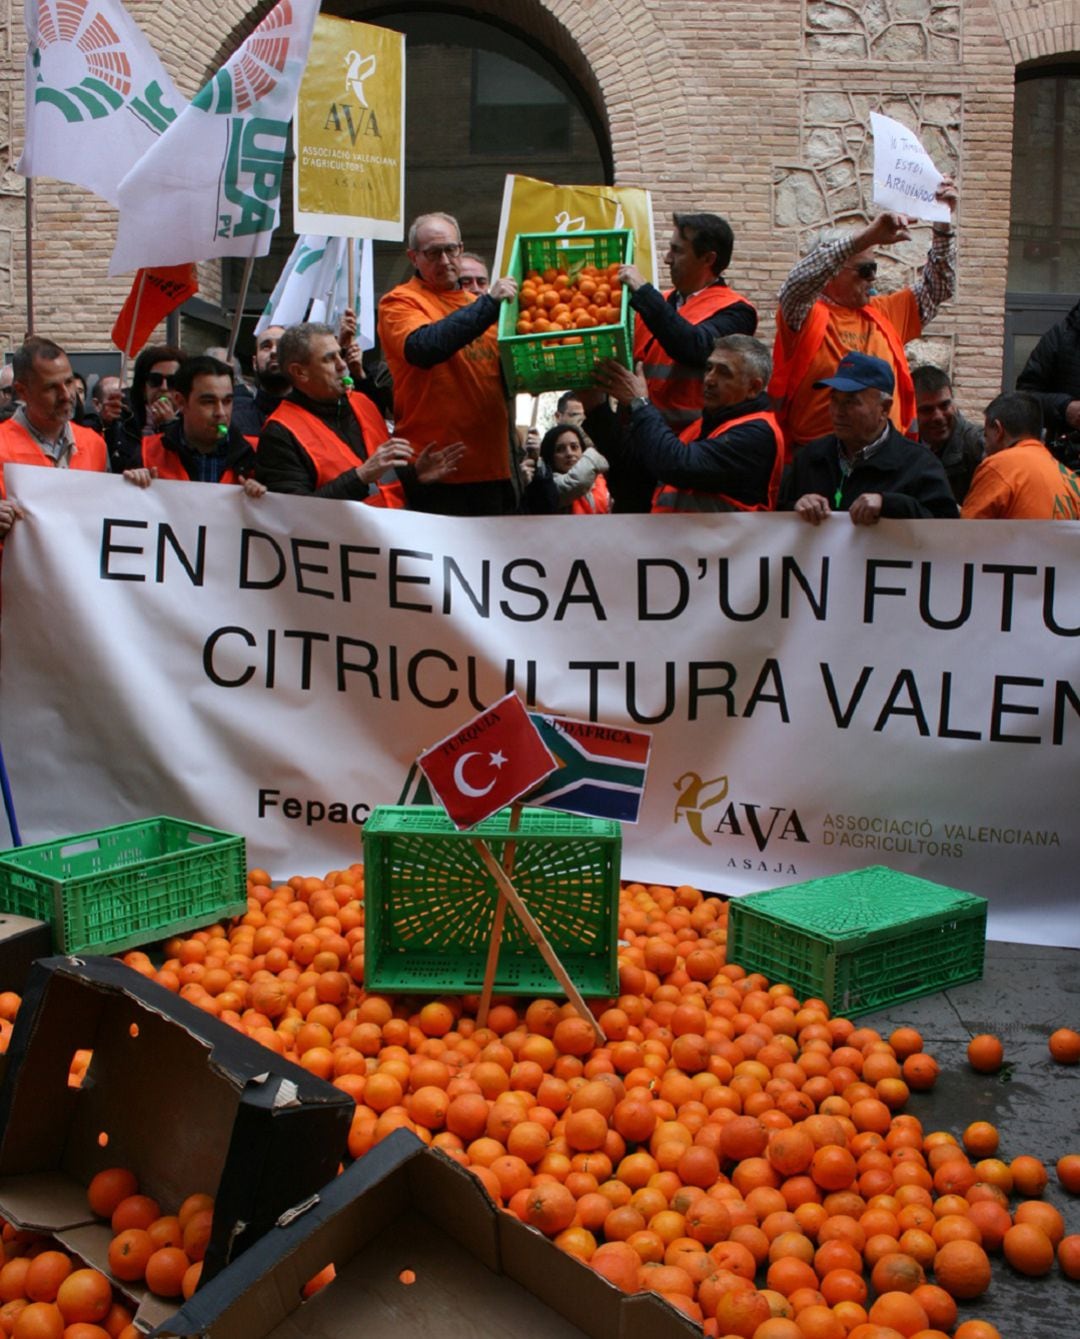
column 349, row 133
column 530, row 205
column 905, row 178
column 820, row 698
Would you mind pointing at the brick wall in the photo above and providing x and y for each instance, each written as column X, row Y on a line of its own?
column 757, row 111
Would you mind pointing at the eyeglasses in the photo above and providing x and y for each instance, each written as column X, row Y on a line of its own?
column 866, row 270
column 434, row 253
column 157, row 379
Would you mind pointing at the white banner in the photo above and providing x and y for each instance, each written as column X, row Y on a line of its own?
column 820, row 699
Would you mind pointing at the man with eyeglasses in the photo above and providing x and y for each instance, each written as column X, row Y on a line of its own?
column 41, row 431
column 439, row 342
column 828, row 308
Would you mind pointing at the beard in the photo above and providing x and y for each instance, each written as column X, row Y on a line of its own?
column 272, row 381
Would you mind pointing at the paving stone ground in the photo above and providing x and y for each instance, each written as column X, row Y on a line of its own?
column 1025, row 994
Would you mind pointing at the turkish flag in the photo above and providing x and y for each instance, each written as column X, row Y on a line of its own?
column 154, row 294
column 490, row 762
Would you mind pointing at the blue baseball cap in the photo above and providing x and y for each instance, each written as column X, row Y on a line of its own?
column 860, row 372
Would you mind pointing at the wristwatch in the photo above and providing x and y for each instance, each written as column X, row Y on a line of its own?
column 637, row 402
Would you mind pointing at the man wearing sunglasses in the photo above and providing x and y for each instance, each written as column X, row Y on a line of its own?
column 828, row 308
column 439, row 342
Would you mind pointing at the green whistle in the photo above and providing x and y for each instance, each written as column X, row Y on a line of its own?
column 347, row 382
column 222, row 431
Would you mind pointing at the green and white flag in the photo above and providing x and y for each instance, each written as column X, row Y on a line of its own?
column 211, row 185
column 97, row 97
column 314, row 284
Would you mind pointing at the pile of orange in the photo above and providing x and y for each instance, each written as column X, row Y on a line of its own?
column 739, row 1151
column 553, row 301
column 45, row 1293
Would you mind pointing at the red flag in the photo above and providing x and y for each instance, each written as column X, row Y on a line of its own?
column 490, row 762
column 154, row 294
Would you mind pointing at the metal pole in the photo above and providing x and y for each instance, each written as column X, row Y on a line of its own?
column 29, row 255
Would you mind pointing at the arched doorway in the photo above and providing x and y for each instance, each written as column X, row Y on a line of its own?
column 1044, row 225
column 483, row 98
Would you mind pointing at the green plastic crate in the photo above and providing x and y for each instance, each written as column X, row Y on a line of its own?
column 430, row 903
column 860, row 941
column 128, row 885
column 530, row 366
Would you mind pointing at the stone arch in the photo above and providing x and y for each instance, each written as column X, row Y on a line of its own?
column 1036, row 31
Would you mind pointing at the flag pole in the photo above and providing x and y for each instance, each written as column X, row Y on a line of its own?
column 125, row 357
column 29, row 255
column 509, row 855
column 351, row 279
column 238, row 314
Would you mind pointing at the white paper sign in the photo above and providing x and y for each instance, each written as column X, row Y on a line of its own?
column 820, row 698
column 905, row 178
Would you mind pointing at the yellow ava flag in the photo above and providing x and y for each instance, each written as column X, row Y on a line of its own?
column 530, row 205
column 349, row 133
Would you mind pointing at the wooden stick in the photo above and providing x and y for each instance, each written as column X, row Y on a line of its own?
column 351, row 278
column 241, row 298
column 536, row 934
column 497, row 924
column 29, row 224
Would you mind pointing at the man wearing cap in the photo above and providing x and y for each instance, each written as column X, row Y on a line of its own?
column 865, row 466
column 828, row 308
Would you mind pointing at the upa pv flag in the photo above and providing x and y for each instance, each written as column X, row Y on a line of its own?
column 97, row 97
column 488, row 763
column 314, row 284
column 211, row 185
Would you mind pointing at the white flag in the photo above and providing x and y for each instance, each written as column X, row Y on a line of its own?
column 97, row 97
column 314, row 286
column 211, row 185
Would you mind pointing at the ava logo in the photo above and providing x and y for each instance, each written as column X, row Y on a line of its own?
column 695, row 796
column 764, row 823
column 256, row 69
column 359, row 68
column 81, row 68
column 344, row 116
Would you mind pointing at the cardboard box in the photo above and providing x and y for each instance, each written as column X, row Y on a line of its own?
column 171, row 1092
column 404, row 1206
column 22, row 941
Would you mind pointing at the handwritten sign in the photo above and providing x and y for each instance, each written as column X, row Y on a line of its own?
column 905, row 178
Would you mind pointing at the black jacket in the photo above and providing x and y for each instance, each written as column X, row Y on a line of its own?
column 907, row 474
column 679, row 338
column 1052, row 373
column 284, row 466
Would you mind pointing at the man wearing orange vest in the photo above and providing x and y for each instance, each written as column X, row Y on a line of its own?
column 41, row 431
column 200, row 444
column 828, row 309
column 730, row 459
column 1020, row 480
column 440, row 344
column 325, row 440
column 675, row 331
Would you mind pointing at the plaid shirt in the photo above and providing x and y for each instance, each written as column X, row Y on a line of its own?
column 809, row 276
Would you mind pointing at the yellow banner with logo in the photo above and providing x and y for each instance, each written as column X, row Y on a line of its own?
column 349, row 133
column 530, row 205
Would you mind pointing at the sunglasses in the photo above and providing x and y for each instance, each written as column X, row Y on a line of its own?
column 866, row 270
column 157, row 379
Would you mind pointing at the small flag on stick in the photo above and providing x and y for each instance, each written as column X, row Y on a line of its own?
column 490, row 762
column 154, row 294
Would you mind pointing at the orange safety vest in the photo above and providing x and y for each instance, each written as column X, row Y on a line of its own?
column 329, row 454
column 674, row 388
column 18, row 447
column 790, row 372
column 668, row 498
column 459, row 400
column 596, row 502
column 169, row 465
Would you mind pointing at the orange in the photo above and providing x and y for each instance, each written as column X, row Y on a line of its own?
column 108, row 1188
column 962, row 1268
column 46, row 1273
column 1068, row 1170
column 128, row 1254
column 1029, row 1175
column 901, row 1311
column 165, row 1271
column 39, row 1320
column 896, row 1272
column 1065, row 1046
column 618, row 1263
column 976, row 1329
column 1068, row 1255
column 137, row 1211
column 981, row 1139
column 85, row 1295
column 1042, row 1215
column 985, row 1053
column 1028, row 1249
